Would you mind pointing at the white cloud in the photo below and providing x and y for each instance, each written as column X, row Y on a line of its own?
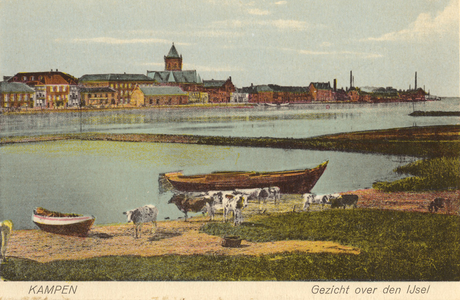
column 280, row 24
column 151, row 64
column 336, row 53
column 281, row 3
column 117, row 41
column 426, row 25
column 212, row 69
column 258, row 12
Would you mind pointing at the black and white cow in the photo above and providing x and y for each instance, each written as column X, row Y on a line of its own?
column 310, row 198
column 234, row 204
column 6, row 228
column 262, row 194
column 141, row 215
column 344, row 200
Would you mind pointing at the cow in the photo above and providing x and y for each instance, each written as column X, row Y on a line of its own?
column 310, row 198
column 234, row 204
column 141, row 215
column 262, row 194
column 6, row 228
column 187, row 204
column 344, row 200
column 436, row 204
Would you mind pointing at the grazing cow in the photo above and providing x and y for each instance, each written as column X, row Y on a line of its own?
column 187, row 204
column 436, row 204
column 6, row 227
column 345, row 200
column 310, row 198
column 235, row 204
column 141, row 215
column 262, row 194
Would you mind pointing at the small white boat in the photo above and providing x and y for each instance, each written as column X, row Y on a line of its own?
column 62, row 223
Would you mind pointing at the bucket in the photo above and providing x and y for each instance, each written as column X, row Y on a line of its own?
column 231, row 241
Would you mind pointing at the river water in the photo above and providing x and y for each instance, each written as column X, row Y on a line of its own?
column 107, row 178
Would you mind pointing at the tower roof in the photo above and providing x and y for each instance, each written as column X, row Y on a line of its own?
column 173, row 52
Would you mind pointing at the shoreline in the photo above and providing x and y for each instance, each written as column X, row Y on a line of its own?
column 30, row 111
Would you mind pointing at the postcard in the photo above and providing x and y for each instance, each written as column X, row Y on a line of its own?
column 207, row 149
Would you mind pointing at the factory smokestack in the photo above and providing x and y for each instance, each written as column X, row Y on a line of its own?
column 335, row 85
column 351, row 79
column 415, row 81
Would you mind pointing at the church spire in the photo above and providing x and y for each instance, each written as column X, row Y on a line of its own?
column 173, row 61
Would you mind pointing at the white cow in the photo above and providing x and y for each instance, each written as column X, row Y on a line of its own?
column 235, row 204
column 6, row 228
column 310, row 198
column 140, row 215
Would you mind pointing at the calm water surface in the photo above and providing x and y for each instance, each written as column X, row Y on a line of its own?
column 296, row 121
column 106, row 178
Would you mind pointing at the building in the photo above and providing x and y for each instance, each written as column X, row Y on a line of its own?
column 239, row 96
column 56, row 89
column 198, row 98
column 173, row 75
column 16, row 95
column 321, row 91
column 276, row 94
column 124, row 84
column 100, row 97
column 173, row 61
column 158, row 95
column 219, row 91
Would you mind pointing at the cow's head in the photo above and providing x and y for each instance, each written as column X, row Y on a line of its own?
column 128, row 214
column 241, row 201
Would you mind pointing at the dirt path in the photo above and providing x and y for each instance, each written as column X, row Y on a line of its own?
column 172, row 237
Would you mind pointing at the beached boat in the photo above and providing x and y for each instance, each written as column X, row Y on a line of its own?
column 291, row 182
column 62, row 223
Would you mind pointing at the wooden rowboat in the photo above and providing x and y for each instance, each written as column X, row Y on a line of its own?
column 62, row 223
column 290, row 182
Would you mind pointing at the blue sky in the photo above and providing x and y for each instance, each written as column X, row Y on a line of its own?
column 286, row 42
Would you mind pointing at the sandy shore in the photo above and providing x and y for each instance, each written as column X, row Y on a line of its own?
column 177, row 237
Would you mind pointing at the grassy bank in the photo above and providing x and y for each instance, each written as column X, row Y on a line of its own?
column 435, row 114
column 394, row 246
column 442, row 173
column 429, row 141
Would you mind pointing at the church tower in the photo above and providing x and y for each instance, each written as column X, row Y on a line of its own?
column 173, row 62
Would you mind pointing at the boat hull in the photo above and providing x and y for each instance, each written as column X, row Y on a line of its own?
column 289, row 182
column 74, row 226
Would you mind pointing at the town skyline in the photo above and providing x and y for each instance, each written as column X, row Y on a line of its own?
column 289, row 43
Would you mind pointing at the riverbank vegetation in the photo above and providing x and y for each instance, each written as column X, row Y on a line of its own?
column 442, row 173
column 394, row 245
column 429, row 141
column 418, row 113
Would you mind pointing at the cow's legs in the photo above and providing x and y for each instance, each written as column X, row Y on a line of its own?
column 154, row 227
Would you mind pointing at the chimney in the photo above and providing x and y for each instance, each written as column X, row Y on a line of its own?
column 56, row 70
column 351, row 79
column 415, row 81
column 335, row 85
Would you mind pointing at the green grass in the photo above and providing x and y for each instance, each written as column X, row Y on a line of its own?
column 442, row 173
column 394, row 246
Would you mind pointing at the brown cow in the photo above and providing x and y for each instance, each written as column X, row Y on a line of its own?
column 436, row 204
column 187, row 204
